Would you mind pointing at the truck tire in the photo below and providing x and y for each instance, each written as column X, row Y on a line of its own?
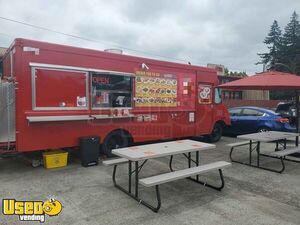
column 216, row 133
column 116, row 139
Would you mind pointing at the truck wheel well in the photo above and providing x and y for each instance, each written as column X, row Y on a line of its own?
column 124, row 133
column 220, row 122
column 116, row 139
column 216, row 132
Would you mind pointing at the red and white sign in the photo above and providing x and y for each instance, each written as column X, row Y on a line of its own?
column 205, row 94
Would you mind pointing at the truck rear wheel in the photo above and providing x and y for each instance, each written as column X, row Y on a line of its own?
column 115, row 140
column 216, row 133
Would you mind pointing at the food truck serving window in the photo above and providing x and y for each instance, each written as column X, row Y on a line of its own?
column 59, row 89
column 110, row 90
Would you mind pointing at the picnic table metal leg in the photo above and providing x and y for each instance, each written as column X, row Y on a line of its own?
column 273, row 170
column 135, row 196
column 197, row 164
column 251, row 149
column 250, row 152
column 283, row 165
column 218, row 188
column 154, row 209
column 258, row 152
column 129, row 175
column 189, row 158
column 230, row 154
column 197, row 180
column 284, row 143
column 280, row 143
column 170, row 163
column 114, row 175
column 264, row 168
column 140, row 166
column 158, row 198
column 136, row 179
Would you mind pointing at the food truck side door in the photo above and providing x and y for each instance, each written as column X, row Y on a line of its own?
column 204, row 108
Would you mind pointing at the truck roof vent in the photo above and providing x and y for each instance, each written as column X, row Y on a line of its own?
column 114, row 50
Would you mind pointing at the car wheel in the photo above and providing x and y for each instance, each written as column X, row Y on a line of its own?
column 216, row 134
column 113, row 141
column 263, row 129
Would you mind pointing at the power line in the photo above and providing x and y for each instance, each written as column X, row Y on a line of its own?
column 90, row 40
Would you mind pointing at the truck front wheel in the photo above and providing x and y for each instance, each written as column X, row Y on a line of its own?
column 216, row 133
column 113, row 141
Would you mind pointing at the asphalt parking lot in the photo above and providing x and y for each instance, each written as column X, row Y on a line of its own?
column 251, row 196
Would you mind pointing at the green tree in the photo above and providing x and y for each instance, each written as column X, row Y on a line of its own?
column 284, row 52
column 237, row 74
column 289, row 60
column 290, row 48
column 273, row 41
column 226, row 71
column 234, row 74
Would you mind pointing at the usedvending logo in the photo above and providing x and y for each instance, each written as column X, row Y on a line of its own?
column 31, row 210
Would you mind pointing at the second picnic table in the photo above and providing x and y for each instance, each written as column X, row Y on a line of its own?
column 254, row 141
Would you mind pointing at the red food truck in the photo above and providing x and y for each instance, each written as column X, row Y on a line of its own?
column 51, row 95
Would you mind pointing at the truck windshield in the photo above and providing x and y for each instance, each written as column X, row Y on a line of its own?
column 218, row 98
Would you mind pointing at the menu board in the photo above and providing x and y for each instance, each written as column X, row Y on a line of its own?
column 156, row 91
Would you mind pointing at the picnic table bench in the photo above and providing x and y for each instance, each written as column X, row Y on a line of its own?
column 240, row 143
column 184, row 173
column 117, row 161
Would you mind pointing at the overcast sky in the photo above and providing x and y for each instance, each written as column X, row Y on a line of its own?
column 228, row 32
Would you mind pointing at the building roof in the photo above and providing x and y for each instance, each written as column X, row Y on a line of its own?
column 269, row 80
column 2, row 51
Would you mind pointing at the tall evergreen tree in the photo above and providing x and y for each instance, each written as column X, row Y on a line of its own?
column 284, row 51
column 273, row 41
column 291, row 45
